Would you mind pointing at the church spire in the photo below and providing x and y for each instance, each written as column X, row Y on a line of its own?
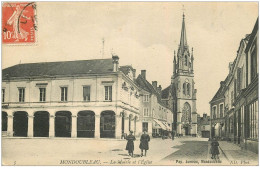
column 183, row 41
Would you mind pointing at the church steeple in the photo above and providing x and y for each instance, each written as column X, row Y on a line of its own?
column 185, row 62
column 183, row 41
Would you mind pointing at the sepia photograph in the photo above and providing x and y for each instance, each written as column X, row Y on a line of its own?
column 130, row 83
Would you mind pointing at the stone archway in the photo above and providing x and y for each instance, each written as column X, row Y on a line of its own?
column 186, row 119
column 86, row 124
column 63, row 124
column 107, row 124
column 4, row 121
column 41, row 124
column 20, row 124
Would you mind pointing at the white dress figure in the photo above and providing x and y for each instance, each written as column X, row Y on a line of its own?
column 19, row 33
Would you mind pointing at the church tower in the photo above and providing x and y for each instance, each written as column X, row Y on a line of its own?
column 182, row 83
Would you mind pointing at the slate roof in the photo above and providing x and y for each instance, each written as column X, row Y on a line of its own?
column 220, row 92
column 144, row 84
column 126, row 68
column 66, row 68
column 165, row 92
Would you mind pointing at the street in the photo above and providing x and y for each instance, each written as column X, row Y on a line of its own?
column 66, row 151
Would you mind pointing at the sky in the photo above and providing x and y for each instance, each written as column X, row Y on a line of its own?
column 142, row 34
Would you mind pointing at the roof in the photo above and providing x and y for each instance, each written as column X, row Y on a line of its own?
column 165, row 92
column 253, row 34
column 205, row 121
column 220, row 92
column 144, row 84
column 67, row 68
column 125, row 69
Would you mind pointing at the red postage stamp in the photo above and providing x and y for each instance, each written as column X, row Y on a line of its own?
column 18, row 22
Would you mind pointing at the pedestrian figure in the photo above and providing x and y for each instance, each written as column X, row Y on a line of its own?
column 130, row 143
column 144, row 143
column 173, row 134
column 214, row 148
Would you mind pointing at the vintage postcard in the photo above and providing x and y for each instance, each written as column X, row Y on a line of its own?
column 130, row 83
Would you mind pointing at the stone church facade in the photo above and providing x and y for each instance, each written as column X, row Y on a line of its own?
column 180, row 96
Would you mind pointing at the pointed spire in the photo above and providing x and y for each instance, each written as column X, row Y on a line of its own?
column 174, row 57
column 183, row 41
column 174, row 64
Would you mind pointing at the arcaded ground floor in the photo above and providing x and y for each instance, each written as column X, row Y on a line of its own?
column 78, row 151
column 61, row 123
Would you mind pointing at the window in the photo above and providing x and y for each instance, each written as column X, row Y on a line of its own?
column 86, row 93
column 254, row 63
column 146, row 111
column 214, row 112
column 188, row 89
column 145, row 126
column 108, row 93
column 184, row 88
column 64, row 94
column 3, row 95
column 146, row 98
column 221, row 110
column 232, row 97
column 239, row 80
column 42, row 94
column 253, row 120
column 21, row 94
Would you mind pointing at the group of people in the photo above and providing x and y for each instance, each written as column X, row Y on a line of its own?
column 144, row 143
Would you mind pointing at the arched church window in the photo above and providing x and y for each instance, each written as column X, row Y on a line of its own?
column 186, row 113
column 188, row 89
column 184, row 88
column 186, row 60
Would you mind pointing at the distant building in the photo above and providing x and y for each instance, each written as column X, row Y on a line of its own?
column 204, row 126
column 180, row 96
column 155, row 117
column 217, row 112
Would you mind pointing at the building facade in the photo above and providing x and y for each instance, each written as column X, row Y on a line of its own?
column 89, row 98
column 204, row 126
column 180, row 96
column 240, row 96
column 217, row 105
column 251, row 112
column 155, row 117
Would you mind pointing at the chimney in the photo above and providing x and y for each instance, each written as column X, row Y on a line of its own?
column 143, row 73
column 159, row 89
column 204, row 115
column 115, row 63
column 154, row 83
column 222, row 83
column 230, row 66
column 134, row 73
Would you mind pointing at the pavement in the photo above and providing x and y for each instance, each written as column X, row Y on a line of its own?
column 237, row 156
column 86, row 151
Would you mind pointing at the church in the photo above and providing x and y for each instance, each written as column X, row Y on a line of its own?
column 180, row 95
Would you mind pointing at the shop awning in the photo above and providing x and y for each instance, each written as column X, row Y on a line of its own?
column 162, row 126
column 166, row 125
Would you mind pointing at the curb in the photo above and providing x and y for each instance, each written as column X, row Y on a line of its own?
column 224, row 153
